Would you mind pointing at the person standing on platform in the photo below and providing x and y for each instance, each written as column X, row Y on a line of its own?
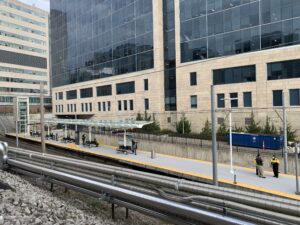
column 260, row 163
column 256, row 167
column 275, row 165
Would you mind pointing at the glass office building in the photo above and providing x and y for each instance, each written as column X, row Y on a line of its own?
column 214, row 28
column 97, row 39
column 163, row 56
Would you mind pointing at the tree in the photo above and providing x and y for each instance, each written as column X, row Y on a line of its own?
column 206, row 130
column 291, row 134
column 183, row 126
column 222, row 131
column 253, row 127
column 269, row 129
column 237, row 129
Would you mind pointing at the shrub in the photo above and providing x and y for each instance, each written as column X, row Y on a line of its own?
column 253, row 127
column 183, row 126
column 206, row 130
column 149, row 128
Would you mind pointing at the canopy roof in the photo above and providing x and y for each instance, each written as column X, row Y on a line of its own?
column 117, row 124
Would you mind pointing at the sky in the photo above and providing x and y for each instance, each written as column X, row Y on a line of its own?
column 43, row 4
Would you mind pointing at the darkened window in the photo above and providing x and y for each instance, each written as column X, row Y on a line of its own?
column 221, row 100
column 68, row 107
column 22, row 59
column 108, row 106
column 72, row 94
column 86, row 107
column 104, row 90
column 104, row 106
column 119, row 105
column 194, row 103
column 125, row 88
column 131, row 104
column 55, row 96
column 146, row 85
column 146, row 104
column 234, row 100
column 91, row 107
column 234, row 75
column 74, row 107
column 86, row 93
column 99, row 106
column 82, row 107
column 294, row 97
column 62, row 108
column 277, row 98
column 60, row 95
column 125, row 105
column 247, row 99
column 193, row 78
column 284, row 70
column 220, row 120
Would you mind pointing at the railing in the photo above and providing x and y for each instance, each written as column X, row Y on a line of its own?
column 175, row 200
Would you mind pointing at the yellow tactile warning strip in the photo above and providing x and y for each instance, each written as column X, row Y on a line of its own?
column 76, row 148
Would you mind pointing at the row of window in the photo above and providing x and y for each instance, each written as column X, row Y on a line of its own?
column 19, row 90
column 23, row 71
column 123, row 105
column 20, row 80
column 32, row 100
column 234, row 100
column 21, row 37
column 19, row 27
column 294, row 97
column 22, row 19
column 22, row 47
column 23, row 8
column 105, row 90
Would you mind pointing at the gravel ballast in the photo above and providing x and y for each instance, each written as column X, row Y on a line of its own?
column 29, row 202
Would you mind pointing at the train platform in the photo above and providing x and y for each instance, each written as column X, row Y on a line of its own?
column 246, row 178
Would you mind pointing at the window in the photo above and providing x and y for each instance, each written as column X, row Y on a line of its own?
column 71, row 107
column 104, row 106
column 56, row 109
column 169, row 119
column 125, row 105
column 99, row 106
column 277, row 98
column 294, row 97
column 74, row 107
column 194, row 101
column 221, row 101
column 234, row 100
column 146, row 85
column 86, row 107
column 86, row 93
column 72, row 94
column 91, row 107
column 193, row 78
column 131, row 104
column 82, row 107
column 284, row 70
column 220, row 120
column 55, row 96
column 146, row 102
column 60, row 95
column 104, row 90
column 125, row 88
column 108, row 106
column 234, row 75
column 68, row 107
column 119, row 105
column 62, row 108
column 247, row 99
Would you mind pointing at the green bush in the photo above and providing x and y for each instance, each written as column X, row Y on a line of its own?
column 253, row 127
column 149, row 128
column 183, row 126
column 269, row 129
column 206, row 131
column 222, row 132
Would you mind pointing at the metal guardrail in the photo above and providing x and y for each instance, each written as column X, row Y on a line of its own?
column 175, row 200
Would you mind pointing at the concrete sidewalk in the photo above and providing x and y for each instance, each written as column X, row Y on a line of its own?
column 283, row 186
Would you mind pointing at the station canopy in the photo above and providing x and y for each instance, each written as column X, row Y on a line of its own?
column 116, row 124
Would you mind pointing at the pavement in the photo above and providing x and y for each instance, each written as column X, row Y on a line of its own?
column 284, row 186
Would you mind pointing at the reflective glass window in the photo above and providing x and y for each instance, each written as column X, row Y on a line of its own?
column 294, row 97
column 277, row 98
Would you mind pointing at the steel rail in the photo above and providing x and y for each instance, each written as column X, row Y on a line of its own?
column 171, row 208
column 229, row 205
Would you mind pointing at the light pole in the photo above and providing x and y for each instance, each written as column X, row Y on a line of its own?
column 213, row 137
column 230, row 133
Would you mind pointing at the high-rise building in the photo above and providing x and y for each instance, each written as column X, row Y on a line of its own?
column 114, row 58
column 24, row 54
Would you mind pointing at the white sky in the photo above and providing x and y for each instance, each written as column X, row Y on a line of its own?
column 43, row 4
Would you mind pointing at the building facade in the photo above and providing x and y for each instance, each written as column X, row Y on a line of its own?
column 24, row 54
column 114, row 59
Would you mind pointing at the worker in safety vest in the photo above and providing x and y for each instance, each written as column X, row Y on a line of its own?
column 275, row 165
